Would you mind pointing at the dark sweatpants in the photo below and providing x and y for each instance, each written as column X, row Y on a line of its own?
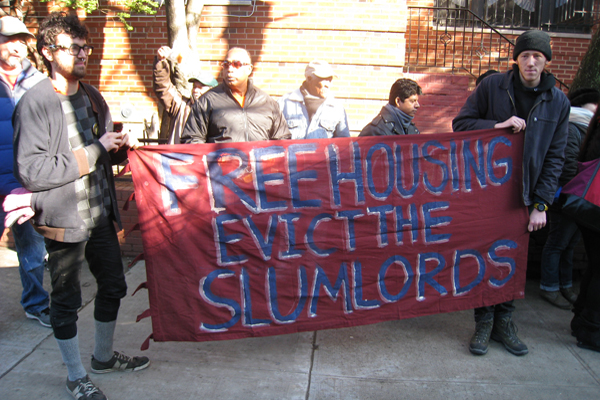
column 65, row 261
column 588, row 301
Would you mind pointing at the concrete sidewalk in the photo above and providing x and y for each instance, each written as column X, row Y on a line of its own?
column 420, row 358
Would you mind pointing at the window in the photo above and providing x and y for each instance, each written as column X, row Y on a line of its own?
column 576, row 16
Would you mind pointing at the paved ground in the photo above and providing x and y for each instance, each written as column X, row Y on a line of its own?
column 420, row 358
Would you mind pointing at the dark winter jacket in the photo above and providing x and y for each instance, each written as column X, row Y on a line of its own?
column 9, row 97
column 176, row 106
column 46, row 166
column 591, row 151
column 217, row 117
column 545, row 135
column 386, row 123
column 575, row 138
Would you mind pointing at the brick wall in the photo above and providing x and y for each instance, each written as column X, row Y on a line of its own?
column 567, row 49
column 363, row 39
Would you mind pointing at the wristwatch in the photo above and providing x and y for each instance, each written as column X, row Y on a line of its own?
column 540, row 207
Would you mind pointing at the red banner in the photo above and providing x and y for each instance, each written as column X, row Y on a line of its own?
column 267, row 238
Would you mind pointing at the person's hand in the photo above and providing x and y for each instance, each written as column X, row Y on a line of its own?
column 164, row 52
column 17, row 206
column 20, row 215
column 517, row 124
column 537, row 220
column 18, row 198
column 111, row 140
column 129, row 141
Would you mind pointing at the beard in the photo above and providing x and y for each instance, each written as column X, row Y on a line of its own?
column 71, row 71
column 78, row 72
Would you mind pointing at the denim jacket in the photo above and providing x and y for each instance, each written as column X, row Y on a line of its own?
column 329, row 121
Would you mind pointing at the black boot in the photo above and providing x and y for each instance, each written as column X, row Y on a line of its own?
column 505, row 332
column 576, row 324
column 588, row 330
column 588, row 339
column 481, row 338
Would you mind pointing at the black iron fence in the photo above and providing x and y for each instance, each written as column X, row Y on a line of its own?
column 569, row 16
column 457, row 40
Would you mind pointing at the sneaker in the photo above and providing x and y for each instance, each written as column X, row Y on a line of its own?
column 556, row 299
column 569, row 294
column 505, row 332
column 120, row 362
column 481, row 338
column 84, row 389
column 43, row 317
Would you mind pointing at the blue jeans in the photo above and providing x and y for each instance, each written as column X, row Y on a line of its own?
column 31, row 252
column 557, row 256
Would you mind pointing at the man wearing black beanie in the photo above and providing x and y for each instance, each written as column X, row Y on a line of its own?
column 524, row 99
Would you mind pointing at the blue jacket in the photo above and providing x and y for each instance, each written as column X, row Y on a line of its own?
column 545, row 135
column 329, row 121
column 9, row 97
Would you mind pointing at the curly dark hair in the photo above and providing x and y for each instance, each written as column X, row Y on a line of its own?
column 404, row 88
column 55, row 24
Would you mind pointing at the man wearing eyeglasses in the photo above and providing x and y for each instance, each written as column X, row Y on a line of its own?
column 64, row 152
column 17, row 75
column 235, row 110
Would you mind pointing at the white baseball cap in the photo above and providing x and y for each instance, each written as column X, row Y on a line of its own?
column 320, row 69
column 11, row 26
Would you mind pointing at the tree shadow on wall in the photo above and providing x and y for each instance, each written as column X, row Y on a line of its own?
column 247, row 29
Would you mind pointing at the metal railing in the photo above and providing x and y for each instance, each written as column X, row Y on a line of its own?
column 567, row 16
column 457, row 40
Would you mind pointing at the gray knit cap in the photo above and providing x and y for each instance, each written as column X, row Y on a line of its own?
column 533, row 40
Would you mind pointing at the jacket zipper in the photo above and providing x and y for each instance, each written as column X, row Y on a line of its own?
column 525, row 133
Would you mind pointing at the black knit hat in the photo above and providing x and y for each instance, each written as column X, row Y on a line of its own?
column 582, row 96
column 533, row 40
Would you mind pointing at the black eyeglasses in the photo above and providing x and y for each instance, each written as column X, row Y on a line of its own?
column 236, row 64
column 73, row 49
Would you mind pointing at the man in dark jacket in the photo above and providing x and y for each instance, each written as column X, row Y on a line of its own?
column 64, row 150
column 556, row 283
column 395, row 118
column 522, row 99
column 235, row 110
column 17, row 75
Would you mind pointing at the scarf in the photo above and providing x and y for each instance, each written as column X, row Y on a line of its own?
column 580, row 116
column 312, row 102
column 400, row 117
